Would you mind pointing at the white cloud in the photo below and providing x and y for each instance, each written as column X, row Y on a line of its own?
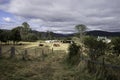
column 7, row 19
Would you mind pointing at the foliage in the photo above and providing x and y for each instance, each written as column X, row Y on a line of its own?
column 73, row 55
column 49, row 35
column 32, row 37
column 25, row 30
column 16, row 37
column 96, row 48
column 81, row 28
column 5, row 36
column 116, row 46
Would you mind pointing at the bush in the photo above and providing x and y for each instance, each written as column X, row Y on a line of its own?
column 116, row 46
column 31, row 37
column 73, row 55
column 96, row 48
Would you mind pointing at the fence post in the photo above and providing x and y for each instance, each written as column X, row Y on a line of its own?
column 104, row 70
column 25, row 54
column 48, row 51
column 103, row 63
column 42, row 54
column 12, row 52
column 35, row 52
column 0, row 51
column 52, row 50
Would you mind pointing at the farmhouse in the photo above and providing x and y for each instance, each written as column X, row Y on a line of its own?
column 104, row 39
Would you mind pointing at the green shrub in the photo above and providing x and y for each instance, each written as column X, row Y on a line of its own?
column 116, row 46
column 96, row 48
column 73, row 55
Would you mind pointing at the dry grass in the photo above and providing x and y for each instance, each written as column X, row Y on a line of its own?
column 53, row 67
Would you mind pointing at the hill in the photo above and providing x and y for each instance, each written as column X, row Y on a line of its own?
column 103, row 33
column 59, row 35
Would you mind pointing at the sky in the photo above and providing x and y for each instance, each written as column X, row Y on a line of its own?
column 61, row 16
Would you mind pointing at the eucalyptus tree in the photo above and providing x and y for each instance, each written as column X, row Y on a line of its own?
column 81, row 28
column 49, row 35
column 25, row 30
column 1, row 35
column 116, row 46
column 95, row 48
column 15, row 35
column 32, row 37
column 5, row 36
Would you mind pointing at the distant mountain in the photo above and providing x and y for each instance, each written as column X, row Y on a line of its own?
column 92, row 33
column 103, row 33
column 52, row 33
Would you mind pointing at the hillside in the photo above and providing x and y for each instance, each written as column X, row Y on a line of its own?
column 59, row 35
column 103, row 33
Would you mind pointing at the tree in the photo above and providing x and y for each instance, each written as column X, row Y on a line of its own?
column 1, row 30
column 16, row 37
column 32, row 37
column 116, row 46
column 73, row 55
column 95, row 48
column 1, row 35
column 5, row 36
column 25, row 30
column 81, row 28
column 49, row 35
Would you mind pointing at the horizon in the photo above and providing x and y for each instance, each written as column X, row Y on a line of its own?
column 73, row 32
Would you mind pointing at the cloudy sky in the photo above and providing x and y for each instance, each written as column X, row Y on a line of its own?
column 61, row 16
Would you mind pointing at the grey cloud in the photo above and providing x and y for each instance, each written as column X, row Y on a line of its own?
column 63, row 15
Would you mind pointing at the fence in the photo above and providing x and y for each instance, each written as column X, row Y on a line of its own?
column 27, row 53
column 102, row 63
column 103, row 69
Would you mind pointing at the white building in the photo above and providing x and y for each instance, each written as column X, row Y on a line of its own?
column 104, row 39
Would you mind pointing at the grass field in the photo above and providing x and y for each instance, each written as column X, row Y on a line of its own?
column 32, row 46
column 50, row 66
column 53, row 67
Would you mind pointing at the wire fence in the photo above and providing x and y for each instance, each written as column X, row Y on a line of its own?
column 26, row 53
column 102, row 68
column 36, row 52
column 102, row 63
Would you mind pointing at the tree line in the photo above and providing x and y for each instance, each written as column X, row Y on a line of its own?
column 25, row 33
column 19, row 33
